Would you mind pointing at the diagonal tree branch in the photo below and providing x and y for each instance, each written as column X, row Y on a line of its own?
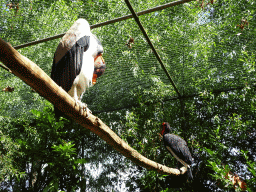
column 35, row 77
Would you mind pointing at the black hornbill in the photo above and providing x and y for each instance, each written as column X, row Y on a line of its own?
column 177, row 147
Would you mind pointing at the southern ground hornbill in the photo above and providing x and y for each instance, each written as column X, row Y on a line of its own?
column 177, row 147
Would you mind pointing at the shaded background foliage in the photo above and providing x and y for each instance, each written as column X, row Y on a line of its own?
column 208, row 48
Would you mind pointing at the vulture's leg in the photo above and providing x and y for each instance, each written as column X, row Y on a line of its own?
column 82, row 106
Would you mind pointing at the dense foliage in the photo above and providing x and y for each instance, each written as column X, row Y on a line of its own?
column 208, row 48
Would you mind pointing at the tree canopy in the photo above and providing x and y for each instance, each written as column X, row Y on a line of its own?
column 208, row 48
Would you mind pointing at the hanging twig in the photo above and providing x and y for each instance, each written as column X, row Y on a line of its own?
column 5, row 68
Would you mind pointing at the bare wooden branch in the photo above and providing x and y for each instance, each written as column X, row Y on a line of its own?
column 35, row 77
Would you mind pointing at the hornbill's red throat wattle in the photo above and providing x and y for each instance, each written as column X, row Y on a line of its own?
column 177, row 147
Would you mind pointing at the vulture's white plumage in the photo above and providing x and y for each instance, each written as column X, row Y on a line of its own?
column 77, row 62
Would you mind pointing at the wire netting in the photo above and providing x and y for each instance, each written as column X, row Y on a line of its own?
column 193, row 46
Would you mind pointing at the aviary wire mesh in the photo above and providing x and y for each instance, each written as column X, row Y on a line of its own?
column 194, row 64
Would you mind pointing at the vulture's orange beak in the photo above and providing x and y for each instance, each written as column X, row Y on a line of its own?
column 99, row 68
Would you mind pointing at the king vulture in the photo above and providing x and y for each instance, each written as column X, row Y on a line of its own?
column 77, row 62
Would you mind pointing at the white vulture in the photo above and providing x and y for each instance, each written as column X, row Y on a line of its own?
column 77, row 62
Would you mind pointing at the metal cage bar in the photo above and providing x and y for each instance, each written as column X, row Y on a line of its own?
column 135, row 16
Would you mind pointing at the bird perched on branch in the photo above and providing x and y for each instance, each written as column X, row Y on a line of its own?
column 177, row 147
column 77, row 62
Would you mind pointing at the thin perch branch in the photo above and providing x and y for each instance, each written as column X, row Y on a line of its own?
column 35, row 77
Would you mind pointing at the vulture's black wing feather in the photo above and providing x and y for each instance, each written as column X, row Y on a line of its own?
column 69, row 66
